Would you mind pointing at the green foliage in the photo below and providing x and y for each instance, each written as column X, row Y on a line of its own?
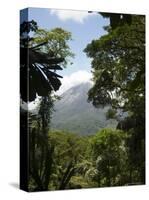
column 70, row 151
column 107, row 139
column 110, row 156
column 111, row 114
column 41, row 150
column 36, row 69
column 119, row 66
column 103, row 159
column 56, row 43
column 117, row 19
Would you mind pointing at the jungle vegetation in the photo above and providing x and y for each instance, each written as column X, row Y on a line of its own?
column 111, row 157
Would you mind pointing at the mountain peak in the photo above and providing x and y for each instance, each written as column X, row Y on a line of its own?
column 74, row 113
column 82, row 87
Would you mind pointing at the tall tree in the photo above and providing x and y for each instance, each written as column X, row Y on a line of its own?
column 118, row 65
column 40, row 58
column 35, row 66
column 110, row 155
column 56, row 43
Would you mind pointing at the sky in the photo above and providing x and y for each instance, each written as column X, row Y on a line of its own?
column 84, row 27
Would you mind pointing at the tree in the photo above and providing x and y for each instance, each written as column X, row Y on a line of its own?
column 56, row 43
column 70, row 150
column 118, row 65
column 41, row 151
column 117, row 19
column 111, row 114
column 40, row 58
column 36, row 64
column 110, row 156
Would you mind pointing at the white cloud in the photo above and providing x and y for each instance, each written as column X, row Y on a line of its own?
column 69, row 81
column 74, row 79
column 77, row 16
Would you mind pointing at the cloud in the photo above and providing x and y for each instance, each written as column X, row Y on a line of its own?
column 77, row 16
column 74, row 79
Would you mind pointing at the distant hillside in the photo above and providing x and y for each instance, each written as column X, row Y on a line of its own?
column 73, row 112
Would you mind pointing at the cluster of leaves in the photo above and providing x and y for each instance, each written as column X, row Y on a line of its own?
column 60, row 160
column 70, row 152
column 65, row 159
column 39, row 55
column 56, row 43
column 41, row 152
column 39, row 60
column 118, row 66
column 117, row 19
column 109, row 153
column 111, row 114
column 84, row 161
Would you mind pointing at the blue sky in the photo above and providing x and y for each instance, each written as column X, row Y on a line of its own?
column 84, row 28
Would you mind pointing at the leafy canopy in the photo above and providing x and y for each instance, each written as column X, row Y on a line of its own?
column 118, row 66
column 56, row 43
column 110, row 156
column 45, row 52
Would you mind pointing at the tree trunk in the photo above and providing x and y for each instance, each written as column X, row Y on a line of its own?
column 67, row 176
